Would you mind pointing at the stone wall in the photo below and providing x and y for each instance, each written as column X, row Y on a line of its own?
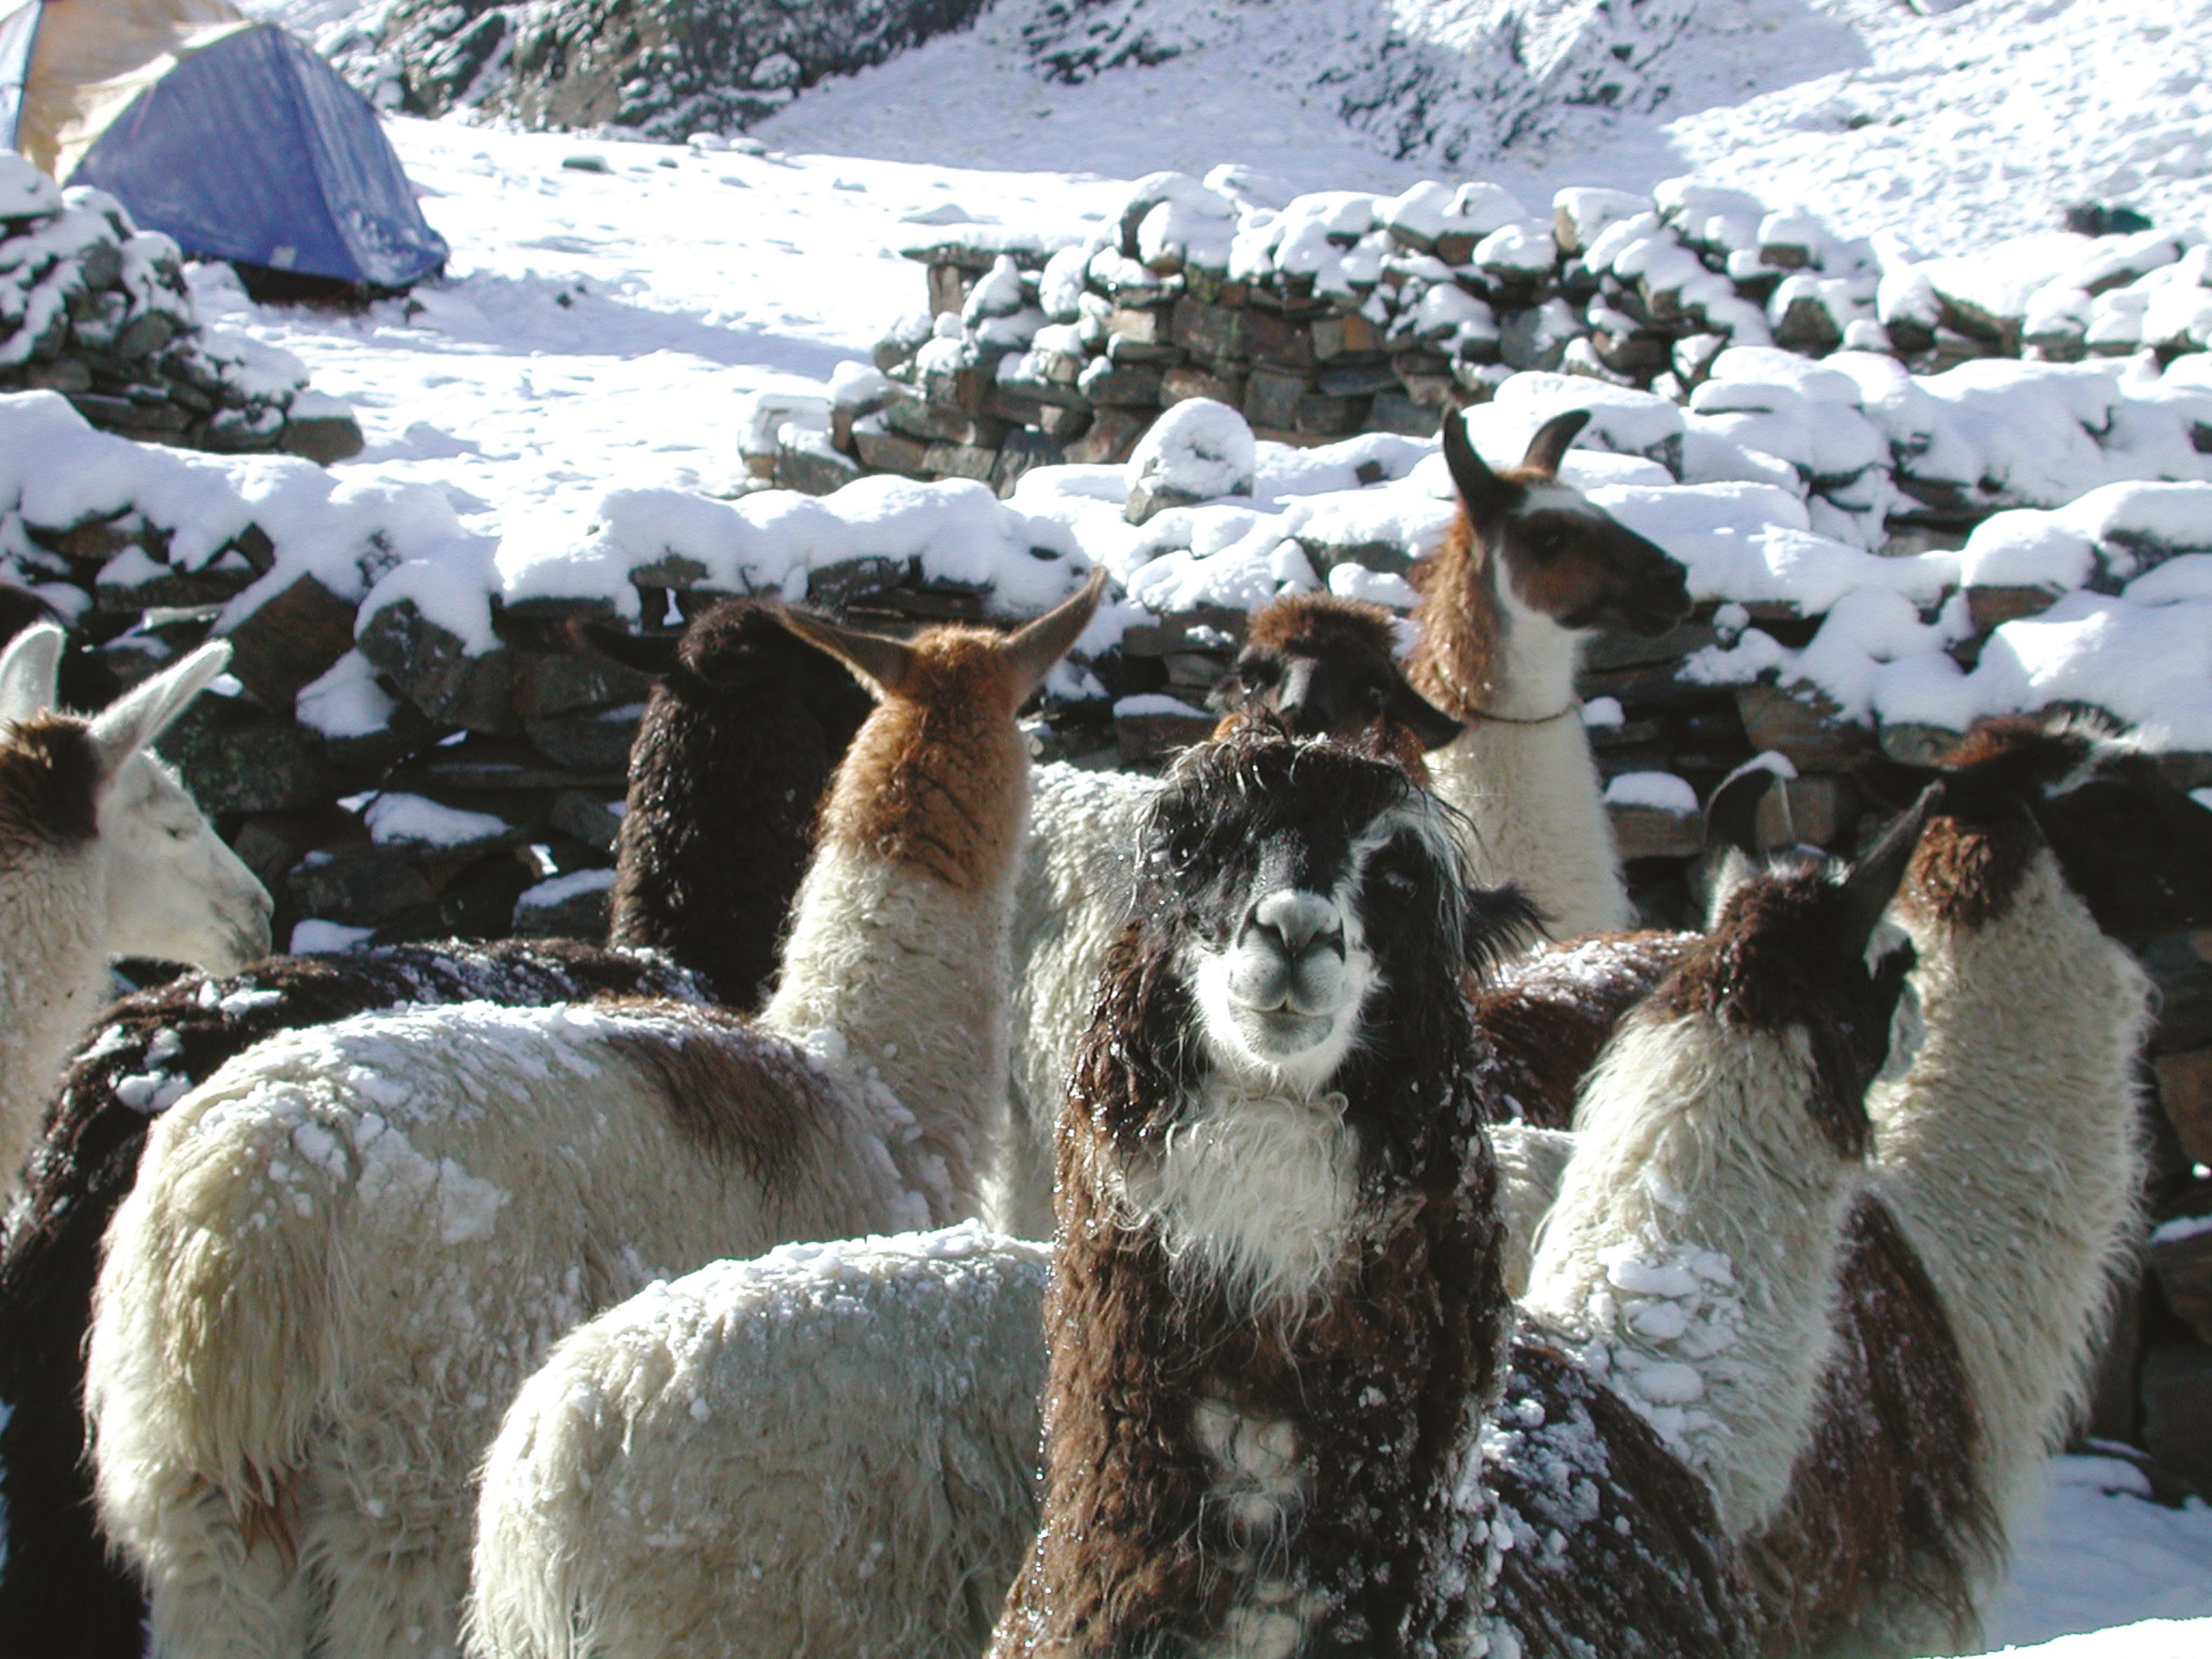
column 97, row 310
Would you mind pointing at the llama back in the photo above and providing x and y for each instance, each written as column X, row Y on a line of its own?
column 240, row 1305
column 59, row 1590
column 719, row 1464
column 1614, row 1547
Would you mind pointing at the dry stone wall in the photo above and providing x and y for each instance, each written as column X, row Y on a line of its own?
column 94, row 309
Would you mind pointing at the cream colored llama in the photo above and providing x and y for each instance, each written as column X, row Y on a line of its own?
column 102, row 854
column 1531, row 568
column 347, row 1250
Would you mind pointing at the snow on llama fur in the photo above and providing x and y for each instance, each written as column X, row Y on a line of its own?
column 2004, row 1187
column 349, row 1246
column 577, row 1506
column 62, row 1593
column 1692, row 1252
column 1320, row 664
column 737, row 744
column 1529, row 569
column 1276, row 1313
column 102, row 854
column 831, row 1448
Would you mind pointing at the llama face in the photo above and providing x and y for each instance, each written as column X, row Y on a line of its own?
column 175, row 892
column 2135, row 848
column 1558, row 553
column 1326, row 666
column 1290, row 946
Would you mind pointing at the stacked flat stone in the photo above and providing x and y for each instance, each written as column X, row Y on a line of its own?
column 94, row 309
column 1339, row 313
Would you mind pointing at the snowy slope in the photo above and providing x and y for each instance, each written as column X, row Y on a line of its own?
column 1957, row 129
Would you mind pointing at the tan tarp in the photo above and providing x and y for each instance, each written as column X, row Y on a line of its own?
column 93, row 57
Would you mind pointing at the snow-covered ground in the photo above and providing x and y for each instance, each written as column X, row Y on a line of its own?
column 603, row 329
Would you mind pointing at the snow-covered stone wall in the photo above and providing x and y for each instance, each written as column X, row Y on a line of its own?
column 94, row 309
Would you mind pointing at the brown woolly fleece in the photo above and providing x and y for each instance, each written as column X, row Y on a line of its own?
column 947, row 717
column 1379, row 1380
column 1548, row 1013
column 50, row 778
column 726, row 777
column 1460, row 660
column 1377, row 1385
column 1883, row 1503
column 1616, row 1550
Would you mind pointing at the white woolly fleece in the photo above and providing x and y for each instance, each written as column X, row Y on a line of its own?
column 348, row 1249
column 1530, row 794
column 831, row 1448
column 2009, row 1154
column 1695, row 1246
column 1070, row 898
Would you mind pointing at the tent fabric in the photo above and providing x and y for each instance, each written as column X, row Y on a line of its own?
column 93, row 57
column 232, row 137
column 19, row 29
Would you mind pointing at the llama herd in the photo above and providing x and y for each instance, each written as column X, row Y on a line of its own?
column 1435, row 1267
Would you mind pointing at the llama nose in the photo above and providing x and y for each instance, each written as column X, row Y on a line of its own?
column 1295, row 923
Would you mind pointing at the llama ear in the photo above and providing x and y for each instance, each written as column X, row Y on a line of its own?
column 1729, row 872
column 648, row 653
column 1488, row 497
column 880, row 662
column 128, row 725
column 1549, row 446
column 1431, row 727
column 34, row 657
column 1875, row 881
column 1732, row 809
column 1033, row 649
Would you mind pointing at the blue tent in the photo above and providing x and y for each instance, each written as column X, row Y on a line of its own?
column 234, row 138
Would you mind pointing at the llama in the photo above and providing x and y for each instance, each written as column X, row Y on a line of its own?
column 701, row 875
column 726, row 777
column 1530, row 568
column 1318, row 665
column 295, row 1367
column 1692, row 1252
column 567, row 1523
column 102, row 854
column 830, row 1450
column 1276, row 1322
column 60, row 1592
column 2003, row 1190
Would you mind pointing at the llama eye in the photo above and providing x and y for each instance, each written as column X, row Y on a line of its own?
column 1399, row 885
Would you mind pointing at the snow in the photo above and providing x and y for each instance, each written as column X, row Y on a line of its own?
column 315, row 935
column 2187, row 1226
column 559, row 890
column 398, row 819
column 1199, row 449
column 2153, row 1638
column 577, row 400
column 1662, row 791
column 2103, row 1553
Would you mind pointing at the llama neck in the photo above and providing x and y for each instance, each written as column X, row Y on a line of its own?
column 1530, row 792
column 1212, row 1474
column 53, row 980
column 1694, row 1246
column 896, row 969
column 2016, row 1121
